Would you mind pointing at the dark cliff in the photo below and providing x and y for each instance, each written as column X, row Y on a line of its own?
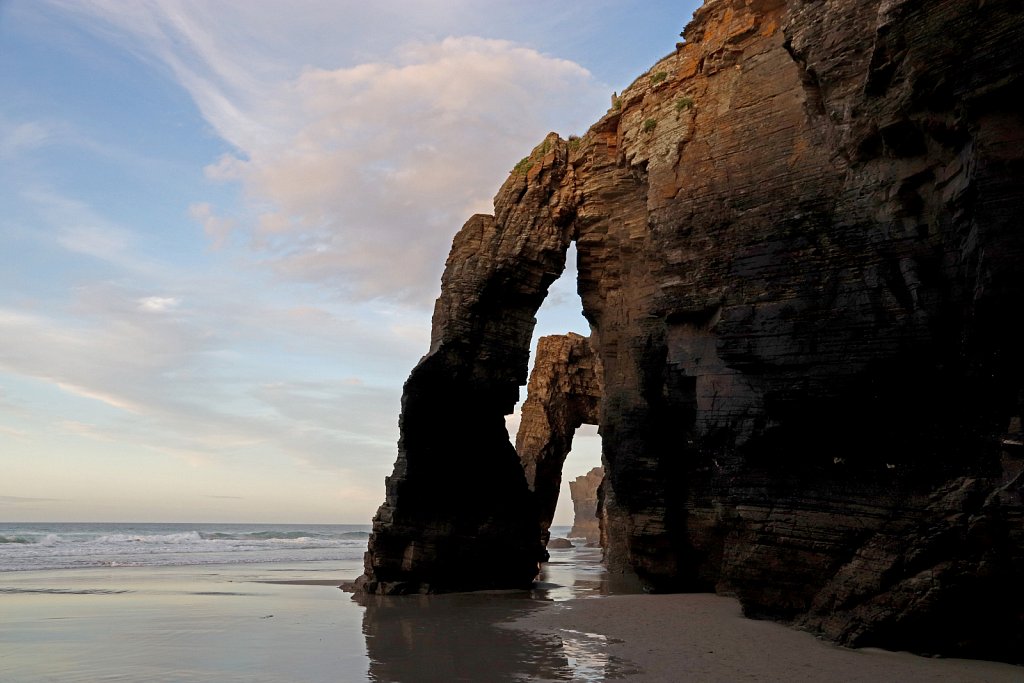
column 799, row 244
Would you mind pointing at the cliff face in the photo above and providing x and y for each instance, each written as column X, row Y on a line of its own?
column 799, row 244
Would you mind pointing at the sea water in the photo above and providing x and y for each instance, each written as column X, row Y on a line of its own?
column 40, row 546
column 192, row 603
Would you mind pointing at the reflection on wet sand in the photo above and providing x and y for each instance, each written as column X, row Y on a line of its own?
column 454, row 638
column 458, row 637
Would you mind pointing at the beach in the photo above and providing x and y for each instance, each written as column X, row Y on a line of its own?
column 703, row 637
column 271, row 622
column 286, row 620
column 211, row 623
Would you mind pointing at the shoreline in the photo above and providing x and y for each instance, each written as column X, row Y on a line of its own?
column 702, row 636
column 269, row 622
column 337, row 583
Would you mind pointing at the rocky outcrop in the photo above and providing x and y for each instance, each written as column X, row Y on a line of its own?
column 585, row 502
column 564, row 392
column 433, row 532
column 799, row 244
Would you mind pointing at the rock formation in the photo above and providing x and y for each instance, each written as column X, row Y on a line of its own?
column 564, row 392
column 584, row 492
column 434, row 533
column 799, row 249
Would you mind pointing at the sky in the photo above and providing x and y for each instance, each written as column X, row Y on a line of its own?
column 224, row 228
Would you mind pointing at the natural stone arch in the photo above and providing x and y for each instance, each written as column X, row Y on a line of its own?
column 458, row 514
column 564, row 393
column 799, row 254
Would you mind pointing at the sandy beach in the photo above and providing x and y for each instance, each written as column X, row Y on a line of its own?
column 268, row 623
column 218, row 623
column 702, row 637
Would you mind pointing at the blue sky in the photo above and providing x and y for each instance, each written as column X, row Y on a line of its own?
column 224, row 227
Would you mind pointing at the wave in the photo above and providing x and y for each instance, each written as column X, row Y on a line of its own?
column 262, row 536
column 16, row 539
column 188, row 538
column 282, row 536
column 48, row 539
column 183, row 537
column 111, row 545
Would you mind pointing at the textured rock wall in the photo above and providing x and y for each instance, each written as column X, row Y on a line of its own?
column 796, row 240
column 585, row 503
column 799, row 243
column 564, row 392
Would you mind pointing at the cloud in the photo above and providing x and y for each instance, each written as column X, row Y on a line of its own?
column 326, row 227
column 218, row 230
column 16, row 138
column 158, row 304
column 78, row 228
column 178, row 379
column 387, row 160
column 13, row 433
column 355, row 177
column 21, row 500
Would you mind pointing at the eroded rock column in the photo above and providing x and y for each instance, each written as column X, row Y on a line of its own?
column 586, row 503
column 564, row 393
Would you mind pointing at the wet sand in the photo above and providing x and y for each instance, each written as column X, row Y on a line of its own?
column 181, row 625
column 701, row 637
column 270, row 623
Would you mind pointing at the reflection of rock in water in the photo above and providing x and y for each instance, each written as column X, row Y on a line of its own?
column 457, row 637
column 454, row 638
column 578, row 573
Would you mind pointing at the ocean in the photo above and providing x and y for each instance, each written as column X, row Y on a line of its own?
column 40, row 546
column 191, row 603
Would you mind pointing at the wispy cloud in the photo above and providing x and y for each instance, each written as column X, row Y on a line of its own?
column 271, row 320
column 217, row 229
column 21, row 500
column 356, row 177
column 77, row 227
column 388, row 158
column 163, row 368
column 17, row 138
column 13, row 432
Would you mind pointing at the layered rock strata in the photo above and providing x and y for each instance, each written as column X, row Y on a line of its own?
column 586, row 503
column 564, row 392
column 799, row 243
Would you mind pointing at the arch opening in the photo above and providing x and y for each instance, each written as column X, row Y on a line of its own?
column 564, row 393
column 578, row 510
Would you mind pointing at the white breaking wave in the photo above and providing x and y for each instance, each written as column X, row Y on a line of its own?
column 30, row 547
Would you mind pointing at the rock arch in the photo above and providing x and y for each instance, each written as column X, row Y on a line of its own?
column 458, row 514
column 799, row 253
